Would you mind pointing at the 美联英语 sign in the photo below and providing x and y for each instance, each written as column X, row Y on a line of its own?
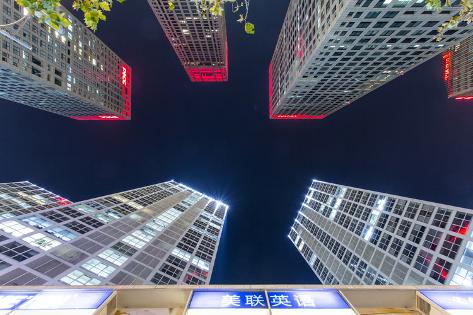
column 227, row 299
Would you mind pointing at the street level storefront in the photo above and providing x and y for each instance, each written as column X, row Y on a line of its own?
column 237, row 300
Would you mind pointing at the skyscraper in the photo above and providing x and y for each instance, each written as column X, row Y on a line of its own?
column 70, row 73
column 166, row 233
column 331, row 53
column 199, row 40
column 458, row 70
column 354, row 236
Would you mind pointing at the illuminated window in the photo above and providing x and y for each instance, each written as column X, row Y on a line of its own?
column 41, row 241
column 181, row 254
column 99, row 268
column 142, row 235
column 462, row 277
column 79, row 278
column 37, row 221
column 440, row 270
column 461, row 223
column 133, row 241
column 113, row 257
column 62, row 233
column 14, row 228
column 202, row 264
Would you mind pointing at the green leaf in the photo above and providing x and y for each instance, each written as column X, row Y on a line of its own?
column 104, row 6
column 171, row 5
column 249, row 28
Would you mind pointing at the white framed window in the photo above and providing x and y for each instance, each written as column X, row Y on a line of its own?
column 42, row 241
column 114, row 257
column 14, row 228
column 62, row 233
column 202, row 264
column 77, row 277
column 133, row 241
column 142, row 235
column 181, row 254
column 37, row 221
column 99, row 268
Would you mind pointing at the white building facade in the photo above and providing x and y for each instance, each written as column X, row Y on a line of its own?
column 331, row 53
column 71, row 73
column 166, row 233
column 354, row 236
column 199, row 40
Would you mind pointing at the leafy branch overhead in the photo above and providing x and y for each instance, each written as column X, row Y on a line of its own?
column 217, row 8
column 465, row 14
column 47, row 11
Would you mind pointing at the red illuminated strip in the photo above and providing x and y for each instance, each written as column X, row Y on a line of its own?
column 464, row 98
column 207, row 74
column 285, row 117
column 100, row 117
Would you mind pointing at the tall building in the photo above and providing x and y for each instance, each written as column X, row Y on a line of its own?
column 200, row 41
column 331, row 53
column 458, row 70
column 161, row 234
column 354, row 236
column 71, row 73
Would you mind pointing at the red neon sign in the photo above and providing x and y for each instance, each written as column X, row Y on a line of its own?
column 464, row 98
column 447, row 65
column 285, row 117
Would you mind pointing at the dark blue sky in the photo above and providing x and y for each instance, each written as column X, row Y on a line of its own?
column 405, row 138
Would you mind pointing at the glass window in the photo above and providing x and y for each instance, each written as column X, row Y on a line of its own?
column 99, row 268
column 461, row 223
column 14, row 228
column 462, row 277
column 42, row 241
column 441, row 218
column 450, row 246
column 17, row 251
column 62, row 233
column 133, row 241
column 432, row 239
column 114, row 257
column 37, row 221
column 423, row 261
column 77, row 277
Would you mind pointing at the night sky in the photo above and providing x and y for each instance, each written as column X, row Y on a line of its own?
column 405, row 138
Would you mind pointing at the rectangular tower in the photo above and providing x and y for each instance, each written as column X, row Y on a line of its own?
column 331, row 53
column 71, row 73
column 354, row 236
column 458, row 70
column 161, row 234
column 200, row 41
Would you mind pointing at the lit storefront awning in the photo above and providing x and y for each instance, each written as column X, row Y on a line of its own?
column 454, row 302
